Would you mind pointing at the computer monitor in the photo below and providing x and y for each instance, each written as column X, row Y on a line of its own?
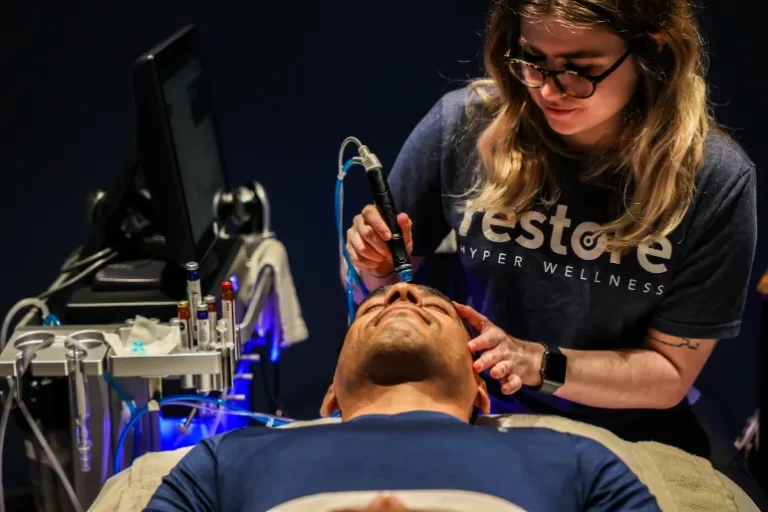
column 178, row 144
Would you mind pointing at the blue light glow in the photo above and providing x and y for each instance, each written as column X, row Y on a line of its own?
column 274, row 351
column 235, row 283
column 172, row 432
column 173, row 435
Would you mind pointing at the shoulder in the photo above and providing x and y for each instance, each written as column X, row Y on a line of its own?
column 586, row 452
column 721, row 149
column 726, row 181
column 252, row 437
column 443, row 143
column 597, row 461
column 470, row 107
column 724, row 166
column 562, row 442
column 545, row 442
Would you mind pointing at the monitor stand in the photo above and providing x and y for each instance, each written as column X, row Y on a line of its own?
column 142, row 280
column 149, row 288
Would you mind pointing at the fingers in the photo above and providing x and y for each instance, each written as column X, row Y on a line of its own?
column 406, row 226
column 486, row 341
column 373, row 218
column 366, row 249
column 502, row 366
column 367, row 239
column 490, row 359
column 355, row 244
column 375, row 245
column 502, row 369
column 479, row 322
column 512, row 385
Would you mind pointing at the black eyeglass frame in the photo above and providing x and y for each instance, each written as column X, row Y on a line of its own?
column 546, row 73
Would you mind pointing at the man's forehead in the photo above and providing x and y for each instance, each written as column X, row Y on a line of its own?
column 422, row 289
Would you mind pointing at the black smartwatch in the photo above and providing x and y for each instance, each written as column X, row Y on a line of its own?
column 553, row 368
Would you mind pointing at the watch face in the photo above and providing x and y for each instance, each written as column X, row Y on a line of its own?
column 555, row 371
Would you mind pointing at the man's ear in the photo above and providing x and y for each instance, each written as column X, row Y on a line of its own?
column 330, row 403
column 482, row 400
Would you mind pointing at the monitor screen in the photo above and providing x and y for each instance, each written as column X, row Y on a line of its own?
column 190, row 114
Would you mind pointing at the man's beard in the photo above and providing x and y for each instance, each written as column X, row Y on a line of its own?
column 399, row 354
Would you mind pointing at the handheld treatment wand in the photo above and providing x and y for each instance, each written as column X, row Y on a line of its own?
column 382, row 197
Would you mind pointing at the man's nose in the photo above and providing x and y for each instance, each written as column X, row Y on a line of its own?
column 403, row 292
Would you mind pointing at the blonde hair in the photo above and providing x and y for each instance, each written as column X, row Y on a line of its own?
column 658, row 155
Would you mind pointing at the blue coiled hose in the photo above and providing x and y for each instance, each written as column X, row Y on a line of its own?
column 126, row 398
column 269, row 421
column 352, row 276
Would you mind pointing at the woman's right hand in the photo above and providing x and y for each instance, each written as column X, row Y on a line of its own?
column 367, row 241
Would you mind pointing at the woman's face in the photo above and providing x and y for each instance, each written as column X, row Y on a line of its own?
column 583, row 123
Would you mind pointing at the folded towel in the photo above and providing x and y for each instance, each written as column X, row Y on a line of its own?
column 285, row 306
column 146, row 338
column 691, row 480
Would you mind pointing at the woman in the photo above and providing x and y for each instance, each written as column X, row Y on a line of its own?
column 600, row 213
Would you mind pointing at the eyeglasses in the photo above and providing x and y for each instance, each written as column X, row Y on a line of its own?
column 570, row 82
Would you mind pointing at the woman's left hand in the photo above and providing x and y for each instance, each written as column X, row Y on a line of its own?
column 512, row 362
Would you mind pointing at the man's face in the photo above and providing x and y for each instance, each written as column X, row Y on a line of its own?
column 406, row 333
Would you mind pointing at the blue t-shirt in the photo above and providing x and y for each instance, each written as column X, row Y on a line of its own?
column 255, row 469
column 542, row 277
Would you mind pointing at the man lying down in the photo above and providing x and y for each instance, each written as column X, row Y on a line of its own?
column 405, row 387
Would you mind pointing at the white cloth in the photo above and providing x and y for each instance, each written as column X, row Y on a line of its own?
column 146, row 338
column 271, row 252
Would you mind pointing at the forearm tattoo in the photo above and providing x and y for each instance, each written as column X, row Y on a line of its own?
column 679, row 343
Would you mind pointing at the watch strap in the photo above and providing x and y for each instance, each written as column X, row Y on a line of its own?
column 548, row 386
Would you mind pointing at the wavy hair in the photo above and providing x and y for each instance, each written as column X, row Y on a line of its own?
column 653, row 163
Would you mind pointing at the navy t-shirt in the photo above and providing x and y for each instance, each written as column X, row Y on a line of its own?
column 256, row 469
column 542, row 277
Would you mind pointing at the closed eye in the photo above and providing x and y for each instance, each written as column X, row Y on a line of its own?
column 372, row 307
column 440, row 307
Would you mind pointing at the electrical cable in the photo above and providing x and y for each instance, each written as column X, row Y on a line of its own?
column 223, row 410
column 51, row 457
column 38, row 434
column 3, row 428
column 13, row 385
column 347, row 142
column 62, row 282
column 71, row 259
column 220, row 413
column 339, row 204
column 23, row 303
column 69, row 282
column 267, row 419
column 69, row 266
column 352, row 275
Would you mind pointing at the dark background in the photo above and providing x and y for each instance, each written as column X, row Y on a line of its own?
column 290, row 81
